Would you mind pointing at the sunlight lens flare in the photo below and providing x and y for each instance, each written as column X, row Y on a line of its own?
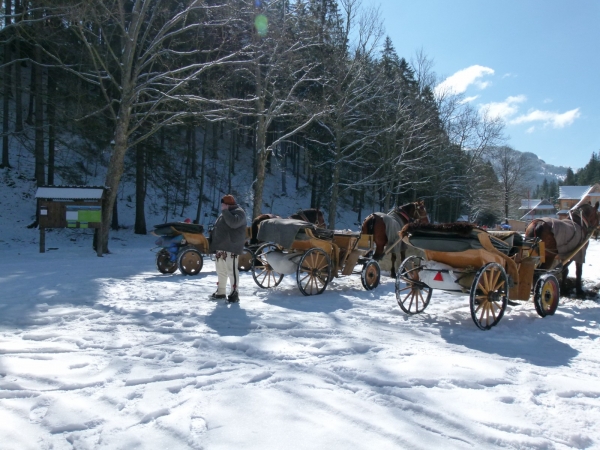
column 261, row 24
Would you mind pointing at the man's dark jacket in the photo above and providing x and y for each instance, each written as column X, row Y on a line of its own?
column 229, row 233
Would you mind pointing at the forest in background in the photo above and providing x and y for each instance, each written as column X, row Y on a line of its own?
column 174, row 95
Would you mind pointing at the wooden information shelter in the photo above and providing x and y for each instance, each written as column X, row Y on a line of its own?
column 70, row 207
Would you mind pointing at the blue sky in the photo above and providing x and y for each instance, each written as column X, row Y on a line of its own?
column 534, row 62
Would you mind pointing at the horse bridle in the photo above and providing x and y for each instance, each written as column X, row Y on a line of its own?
column 416, row 216
column 584, row 223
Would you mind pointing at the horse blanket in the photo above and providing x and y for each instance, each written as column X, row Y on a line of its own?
column 402, row 220
column 568, row 236
column 392, row 228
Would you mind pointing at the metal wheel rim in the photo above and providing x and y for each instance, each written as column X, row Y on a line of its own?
column 489, row 296
column 546, row 295
column 245, row 260
column 164, row 263
column 412, row 293
column 314, row 271
column 370, row 275
column 262, row 272
column 190, row 262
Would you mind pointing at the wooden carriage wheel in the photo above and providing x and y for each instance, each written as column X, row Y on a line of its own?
column 370, row 275
column 412, row 294
column 264, row 275
column 164, row 263
column 245, row 260
column 489, row 296
column 546, row 295
column 190, row 261
column 314, row 272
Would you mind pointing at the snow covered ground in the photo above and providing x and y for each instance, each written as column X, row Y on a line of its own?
column 109, row 353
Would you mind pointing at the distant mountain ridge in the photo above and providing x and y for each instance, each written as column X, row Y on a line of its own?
column 543, row 170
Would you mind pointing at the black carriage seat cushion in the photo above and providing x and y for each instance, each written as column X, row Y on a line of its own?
column 453, row 242
column 166, row 229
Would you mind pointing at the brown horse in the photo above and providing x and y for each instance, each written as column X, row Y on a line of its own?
column 385, row 228
column 562, row 237
column 312, row 215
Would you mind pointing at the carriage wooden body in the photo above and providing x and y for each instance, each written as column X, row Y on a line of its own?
column 316, row 256
column 186, row 252
column 494, row 268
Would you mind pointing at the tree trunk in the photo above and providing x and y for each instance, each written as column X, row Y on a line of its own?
column 202, row 171
column 284, row 171
column 17, row 80
column 29, row 120
column 335, row 179
column 7, row 86
column 114, row 224
column 140, row 191
column 115, row 171
column 40, row 177
column 261, row 163
column 194, row 153
column 51, row 111
column 215, row 139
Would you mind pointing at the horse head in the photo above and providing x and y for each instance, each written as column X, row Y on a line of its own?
column 586, row 215
column 312, row 215
column 414, row 212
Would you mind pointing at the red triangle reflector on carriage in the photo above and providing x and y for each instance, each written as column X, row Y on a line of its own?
column 438, row 277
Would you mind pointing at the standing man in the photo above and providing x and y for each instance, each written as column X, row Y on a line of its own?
column 227, row 241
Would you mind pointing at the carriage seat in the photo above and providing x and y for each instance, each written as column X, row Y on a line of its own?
column 284, row 231
column 512, row 238
column 175, row 228
column 442, row 241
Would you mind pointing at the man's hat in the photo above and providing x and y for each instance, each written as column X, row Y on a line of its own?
column 228, row 199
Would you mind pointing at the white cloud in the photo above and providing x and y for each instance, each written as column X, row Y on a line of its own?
column 530, row 130
column 505, row 109
column 461, row 80
column 470, row 99
column 554, row 119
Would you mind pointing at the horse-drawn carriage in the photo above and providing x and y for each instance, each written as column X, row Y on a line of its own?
column 315, row 255
column 491, row 267
column 182, row 246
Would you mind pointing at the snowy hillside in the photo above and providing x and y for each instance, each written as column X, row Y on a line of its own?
column 107, row 353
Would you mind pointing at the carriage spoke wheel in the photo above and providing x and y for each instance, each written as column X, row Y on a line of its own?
column 314, row 272
column 190, row 261
column 164, row 263
column 370, row 275
column 489, row 296
column 546, row 294
column 412, row 294
column 264, row 275
column 245, row 260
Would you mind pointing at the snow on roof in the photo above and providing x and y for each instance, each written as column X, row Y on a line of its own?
column 572, row 192
column 535, row 203
column 70, row 192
